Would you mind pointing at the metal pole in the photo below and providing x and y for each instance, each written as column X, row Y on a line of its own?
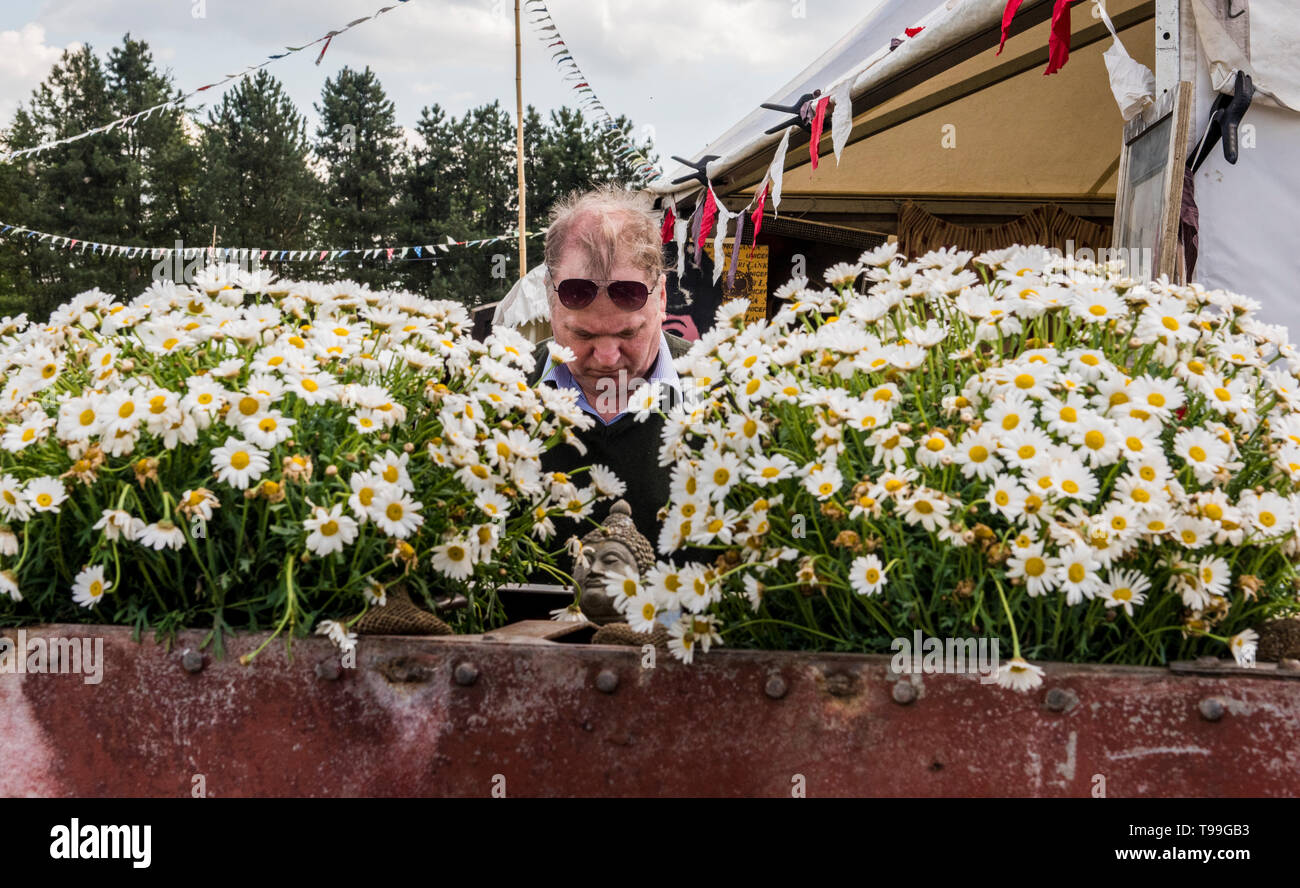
column 519, row 147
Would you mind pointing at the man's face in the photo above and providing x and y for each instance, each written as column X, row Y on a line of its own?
column 604, row 337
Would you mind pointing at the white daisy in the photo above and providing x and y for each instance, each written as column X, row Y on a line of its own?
column 396, row 513
column 46, row 494
column 239, row 463
column 867, row 575
column 454, row 559
column 1243, row 646
column 1126, row 589
column 1018, row 674
column 329, row 531
column 90, row 586
column 161, row 535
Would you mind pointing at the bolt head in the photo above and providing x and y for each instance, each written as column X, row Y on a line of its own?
column 1212, row 709
column 776, row 687
column 466, row 674
column 192, row 661
column 1060, row 699
column 607, row 681
column 904, row 692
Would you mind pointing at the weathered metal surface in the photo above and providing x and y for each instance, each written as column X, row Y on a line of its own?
column 532, row 717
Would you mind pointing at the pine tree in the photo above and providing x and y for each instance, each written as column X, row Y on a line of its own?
column 257, row 187
column 163, row 163
column 359, row 144
column 130, row 185
column 73, row 189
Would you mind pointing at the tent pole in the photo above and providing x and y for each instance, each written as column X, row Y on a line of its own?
column 519, row 148
column 1167, row 45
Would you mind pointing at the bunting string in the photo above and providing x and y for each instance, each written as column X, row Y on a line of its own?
column 132, row 119
column 562, row 57
column 255, row 254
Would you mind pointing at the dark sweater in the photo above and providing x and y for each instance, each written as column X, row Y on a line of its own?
column 628, row 447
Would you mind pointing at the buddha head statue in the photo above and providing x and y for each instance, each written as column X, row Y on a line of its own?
column 614, row 547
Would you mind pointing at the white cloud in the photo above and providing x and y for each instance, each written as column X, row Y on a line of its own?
column 25, row 59
column 687, row 68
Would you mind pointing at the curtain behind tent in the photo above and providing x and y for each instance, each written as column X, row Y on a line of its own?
column 920, row 231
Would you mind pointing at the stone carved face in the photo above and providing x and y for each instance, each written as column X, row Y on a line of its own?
column 592, row 573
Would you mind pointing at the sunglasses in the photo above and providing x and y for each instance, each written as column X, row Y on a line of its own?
column 577, row 293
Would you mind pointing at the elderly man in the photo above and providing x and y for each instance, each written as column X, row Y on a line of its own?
column 605, row 282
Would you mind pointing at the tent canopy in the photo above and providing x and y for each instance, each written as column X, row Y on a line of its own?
column 944, row 116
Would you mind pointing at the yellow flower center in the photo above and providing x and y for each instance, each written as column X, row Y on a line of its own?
column 1035, row 567
column 394, row 512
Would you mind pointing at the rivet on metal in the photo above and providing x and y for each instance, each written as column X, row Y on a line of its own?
column 192, row 661
column 1212, row 709
column 607, row 681
column 1061, row 699
column 776, row 688
column 466, row 674
column 328, row 670
column 904, row 692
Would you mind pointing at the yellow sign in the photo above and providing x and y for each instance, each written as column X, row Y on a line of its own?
column 751, row 277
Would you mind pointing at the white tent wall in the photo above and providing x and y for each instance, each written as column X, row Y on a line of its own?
column 1250, row 212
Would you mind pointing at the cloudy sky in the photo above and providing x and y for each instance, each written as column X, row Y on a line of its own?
column 686, row 69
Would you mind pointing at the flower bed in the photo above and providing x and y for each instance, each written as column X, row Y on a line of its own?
column 251, row 453
column 1083, row 466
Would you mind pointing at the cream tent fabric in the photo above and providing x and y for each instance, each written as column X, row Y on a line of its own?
column 1010, row 131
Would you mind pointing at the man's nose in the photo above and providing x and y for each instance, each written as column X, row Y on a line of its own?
column 605, row 352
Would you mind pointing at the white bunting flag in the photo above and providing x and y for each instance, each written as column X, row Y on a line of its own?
column 841, row 118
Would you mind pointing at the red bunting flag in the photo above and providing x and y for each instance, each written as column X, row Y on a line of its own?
column 389, row 251
column 1013, row 6
column 1058, row 42
column 757, row 216
column 666, row 232
column 707, row 217
column 819, row 119
column 912, row 32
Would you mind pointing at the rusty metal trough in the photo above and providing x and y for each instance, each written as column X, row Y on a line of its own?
column 532, row 710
